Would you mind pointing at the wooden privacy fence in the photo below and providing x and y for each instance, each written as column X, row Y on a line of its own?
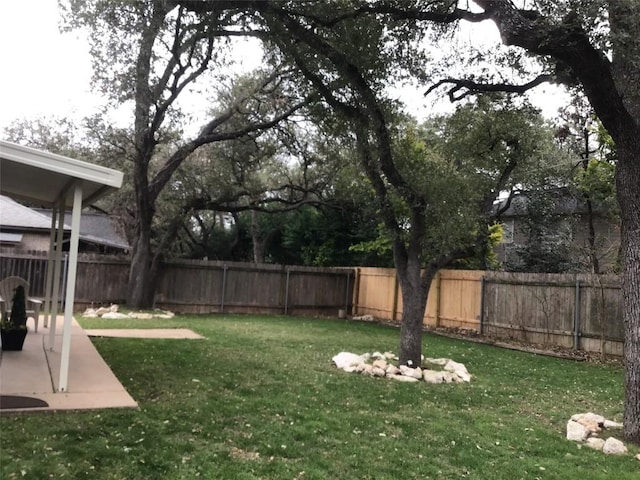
column 199, row 286
column 454, row 299
column 579, row 311
column 195, row 286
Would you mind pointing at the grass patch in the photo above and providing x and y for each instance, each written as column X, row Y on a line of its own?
column 260, row 399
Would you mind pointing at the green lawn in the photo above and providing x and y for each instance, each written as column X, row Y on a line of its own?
column 260, row 399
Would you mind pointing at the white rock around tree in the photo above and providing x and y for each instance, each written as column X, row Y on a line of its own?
column 586, row 428
column 379, row 365
column 112, row 312
column 613, row 446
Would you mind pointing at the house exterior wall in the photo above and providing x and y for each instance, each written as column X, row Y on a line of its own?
column 31, row 241
column 607, row 241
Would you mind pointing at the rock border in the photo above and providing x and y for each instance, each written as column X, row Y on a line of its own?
column 378, row 364
column 585, row 428
column 113, row 313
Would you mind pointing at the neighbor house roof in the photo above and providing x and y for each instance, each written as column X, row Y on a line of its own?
column 16, row 216
column 98, row 228
column 564, row 203
column 95, row 228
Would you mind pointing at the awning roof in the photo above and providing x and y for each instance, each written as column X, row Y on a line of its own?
column 58, row 182
column 42, row 177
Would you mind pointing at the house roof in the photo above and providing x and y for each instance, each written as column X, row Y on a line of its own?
column 13, row 215
column 563, row 204
column 44, row 178
column 95, row 228
column 99, row 229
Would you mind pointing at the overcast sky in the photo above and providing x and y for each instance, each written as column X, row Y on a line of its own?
column 46, row 73
column 43, row 72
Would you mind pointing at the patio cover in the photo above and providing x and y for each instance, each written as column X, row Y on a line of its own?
column 59, row 183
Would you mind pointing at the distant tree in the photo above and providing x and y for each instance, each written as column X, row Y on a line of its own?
column 593, row 178
column 147, row 54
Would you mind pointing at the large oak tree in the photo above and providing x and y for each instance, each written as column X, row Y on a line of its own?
column 594, row 44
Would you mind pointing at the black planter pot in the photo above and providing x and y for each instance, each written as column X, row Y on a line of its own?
column 13, row 339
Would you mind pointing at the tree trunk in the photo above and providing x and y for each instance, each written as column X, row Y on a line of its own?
column 142, row 281
column 259, row 243
column 628, row 186
column 414, row 303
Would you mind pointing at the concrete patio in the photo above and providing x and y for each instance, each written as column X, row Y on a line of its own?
column 34, row 372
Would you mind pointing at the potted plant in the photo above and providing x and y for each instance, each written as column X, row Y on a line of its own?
column 13, row 330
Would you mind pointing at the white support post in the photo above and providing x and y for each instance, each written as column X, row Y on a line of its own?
column 71, row 288
column 55, row 294
column 50, row 267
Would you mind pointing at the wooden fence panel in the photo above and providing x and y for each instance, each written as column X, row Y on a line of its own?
column 566, row 310
column 327, row 289
column 530, row 308
column 256, row 290
column 195, row 286
column 101, row 280
column 459, row 299
column 453, row 302
column 377, row 293
column 601, row 328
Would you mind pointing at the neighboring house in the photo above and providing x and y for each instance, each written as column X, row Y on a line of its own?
column 25, row 229
column 565, row 228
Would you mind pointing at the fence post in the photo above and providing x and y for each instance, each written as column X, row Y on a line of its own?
column 356, row 292
column 482, row 282
column 286, row 293
column 224, row 287
column 346, row 294
column 576, row 318
column 437, row 299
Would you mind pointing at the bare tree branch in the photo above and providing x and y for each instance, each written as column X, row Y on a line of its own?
column 464, row 87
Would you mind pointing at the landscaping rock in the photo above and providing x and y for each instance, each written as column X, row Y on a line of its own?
column 141, row 315
column 449, row 377
column 346, row 359
column 411, row 372
column 459, row 369
column 590, row 420
column 595, row 443
column 392, row 370
column 432, row 376
column 380, row 364
column 612, row 424
column 380, row 367
column 613, row 446
column 576, row 431
column 585, row 427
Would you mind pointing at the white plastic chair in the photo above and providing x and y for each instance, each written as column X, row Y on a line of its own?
column 7, row 290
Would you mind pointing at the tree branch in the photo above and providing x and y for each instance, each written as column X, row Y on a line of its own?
column 471, row 87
